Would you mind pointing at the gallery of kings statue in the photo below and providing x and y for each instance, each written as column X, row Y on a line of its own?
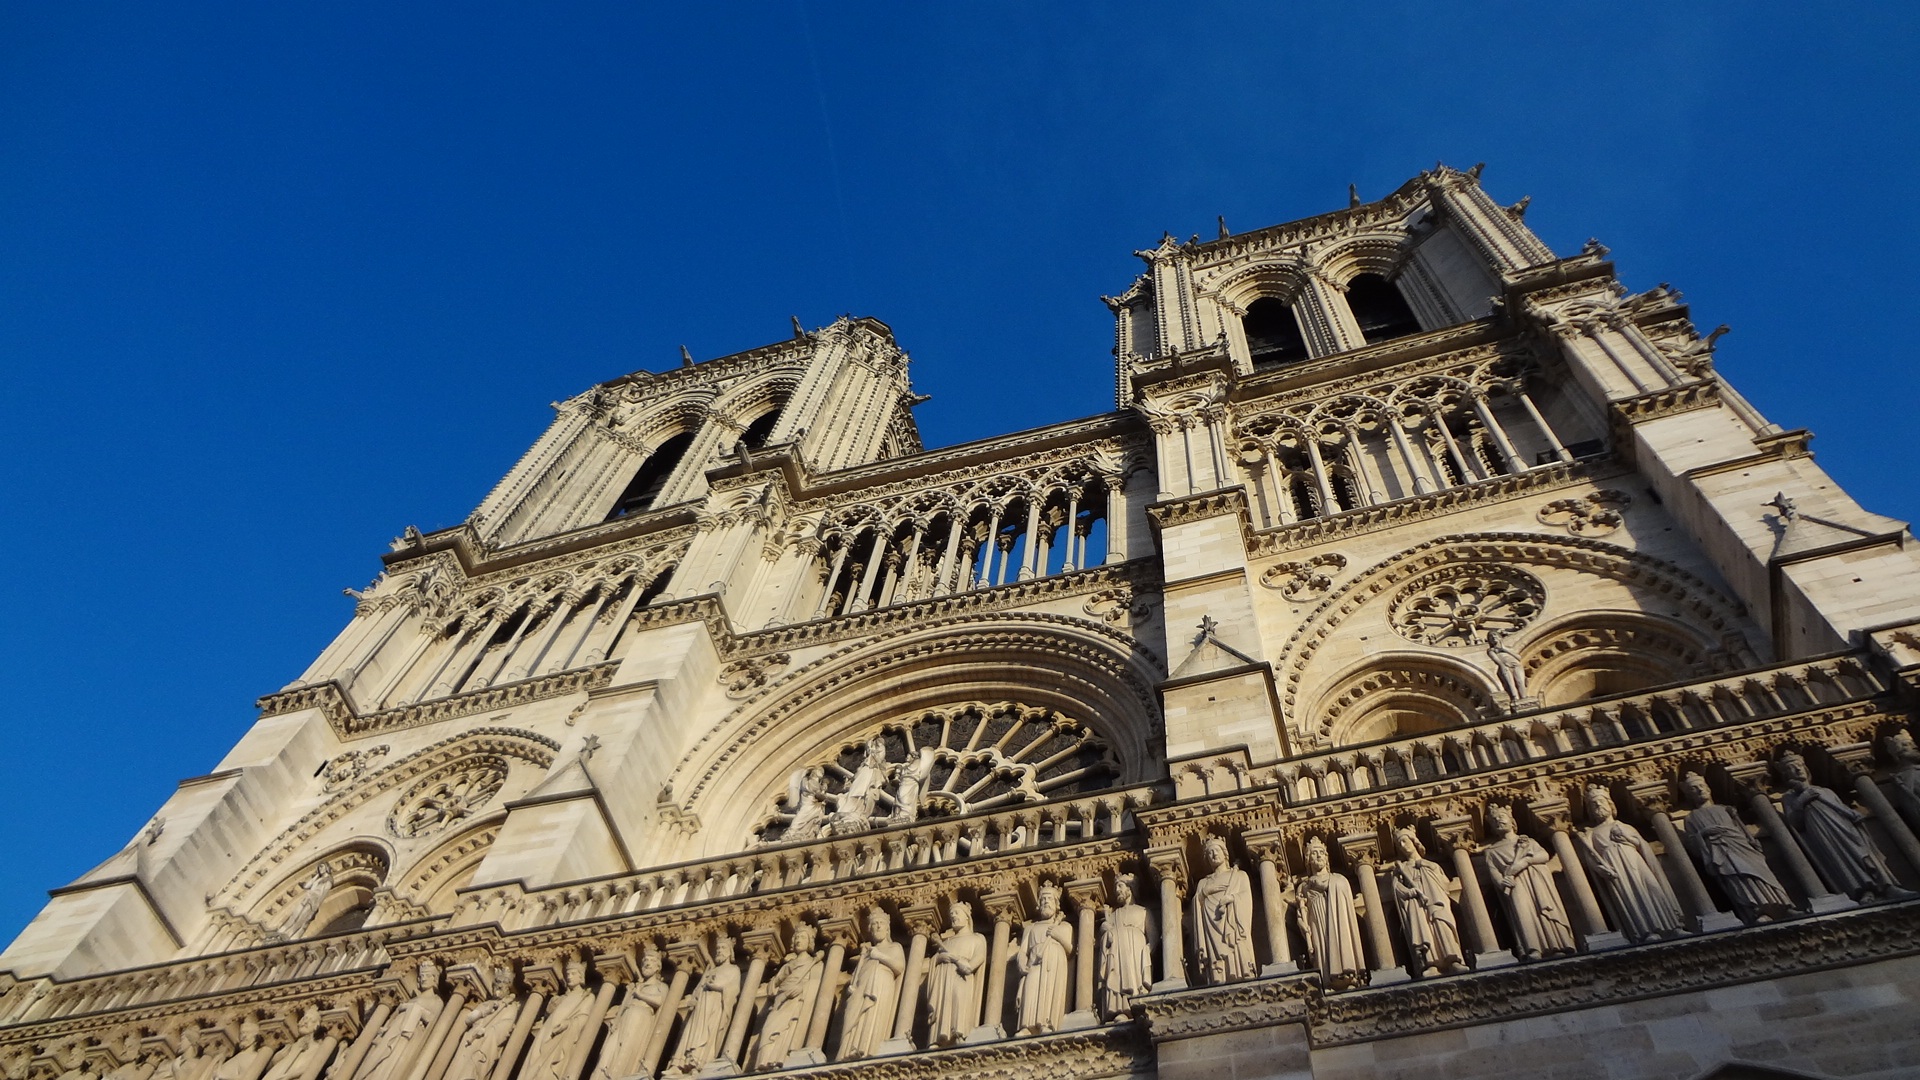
column 1430, row 667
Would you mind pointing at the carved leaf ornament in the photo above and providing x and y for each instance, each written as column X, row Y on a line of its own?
column 1456, row 607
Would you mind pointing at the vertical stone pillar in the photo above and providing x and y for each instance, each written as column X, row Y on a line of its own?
column 1269, row 852
column 443, row 1038
column 388, row 994
column 1089, row 895
column 762, row 945
column 839, row 933
column 338, row 1025
column 614, row 968
column 684, row 955
column 1557, row 814
column 1003, row 909
column 1363, row 850
column 541, row 981
column 1457, row 834
column 922, row 921
column 1652, row 795
column 1170, row 866
column 1753, row 775
column 1858, row 761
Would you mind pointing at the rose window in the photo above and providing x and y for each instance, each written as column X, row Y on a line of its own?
column 447, row 797
column 942, row 763
column 1458, row 607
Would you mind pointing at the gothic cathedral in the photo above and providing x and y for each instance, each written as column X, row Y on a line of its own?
column 1430, row 667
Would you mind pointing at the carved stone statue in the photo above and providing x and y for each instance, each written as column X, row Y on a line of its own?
column 1513, row 674
column 1729, row 854
column 1044, row 962
column 187, row 1064
column 1834, row 834
column 313, row 893
column 1425, row 895
column 910, row 784
column 874, row 990
column 630, row 1023
column 790, row 997
column 567, row 1017
column 488, row 1026
column 1623, row 870
column 1906, row 772
column 303, row 1056
column 249, row 1058
column 853, row 808
column 1518, row 865
column 953, row 987
column 405, row 1030
column 141, row 1061
column 703, row 1038
column 1328, row 922
column 1126, row 952
column 807, row 797
column 1223, row 919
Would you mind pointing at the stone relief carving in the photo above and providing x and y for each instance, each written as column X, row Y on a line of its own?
column 790, row 997
column 1223, row 919
column 1521, row 875
column 488, row 1025
column 448, row 797
column 1834, row 835
column 1044, row 963
column 972, row 757
column 401, row 1040
column 953, row 987
column 567, row 1016
column 1306, row 580
column 1626, row 876
column 1719, row 841
column 743, row 678
column 873, row 991
column 1126, row 952
column 1905, row 754
column 313, row 893
column 1594, row 514
column 1329, row 924
column 703, row 1036
column 1425, row 895
column 1458, row 606
column 340, row 771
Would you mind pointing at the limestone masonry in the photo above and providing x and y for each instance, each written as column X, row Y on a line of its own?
column 1430, row 668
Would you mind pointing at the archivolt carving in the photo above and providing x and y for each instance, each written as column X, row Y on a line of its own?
column 1595, row 514
column 1447, row 692
column 362, row 863
column 1308, row 579
column 444, row 865
column 505, row 743
column 1077, row 665
column 1701, row 602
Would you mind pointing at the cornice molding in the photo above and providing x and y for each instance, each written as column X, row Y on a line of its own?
column 348, row 724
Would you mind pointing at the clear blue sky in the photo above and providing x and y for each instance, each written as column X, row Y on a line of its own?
column 277, row 280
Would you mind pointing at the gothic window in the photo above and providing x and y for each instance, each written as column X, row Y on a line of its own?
column 1273, row 333
column 1379, row 308
column 942, row 763
column 652, row 476
column 756, row 434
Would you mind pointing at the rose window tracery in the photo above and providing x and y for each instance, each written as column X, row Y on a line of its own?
column 942, row 763
column 448, row 797
column 1456, row 607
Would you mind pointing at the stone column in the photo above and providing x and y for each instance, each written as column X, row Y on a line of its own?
column 1858, row 760
column 1363, row 850
column 1753, row 775
column 762, row 945
column 1652, row 795
column 443, row 1038
column 337, row 1024
column 922, row 921
column 1002, row 908
column 684, row 955
column 541, row 981
column 1557, row 814
column 1088, row 896
column 614, row 968
column 1457, row 833
column 1170, row 866
column 839, row 933
column 1270, row 854
column 389, row 993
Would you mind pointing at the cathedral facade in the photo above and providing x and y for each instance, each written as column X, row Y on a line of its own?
column 1430, row 667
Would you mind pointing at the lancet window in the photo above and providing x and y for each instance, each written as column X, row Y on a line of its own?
column 1378, row 308
column 652, row 476
column 926, row 553
column 1273, row 333
column 942, row 763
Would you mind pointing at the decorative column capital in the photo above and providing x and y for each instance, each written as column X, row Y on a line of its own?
column 1655, row 795
column 1087, row 894
column 923, row 919
column 762, row 943
column 1856, row 758
column 1361, row 847
column 1455, row 832
column 687, row 955
column 617, row 967
column 1002, row 907
column 1266, row 845
column 544, row 978
column 470, row 979
column 1554, row 811
column 1169, row 864
column 840, row 930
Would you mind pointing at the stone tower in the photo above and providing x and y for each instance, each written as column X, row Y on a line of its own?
column 1429, row 642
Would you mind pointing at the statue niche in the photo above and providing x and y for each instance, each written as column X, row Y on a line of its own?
column 941, row 763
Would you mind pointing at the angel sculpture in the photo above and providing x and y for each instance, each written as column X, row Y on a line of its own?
column 807, row 797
